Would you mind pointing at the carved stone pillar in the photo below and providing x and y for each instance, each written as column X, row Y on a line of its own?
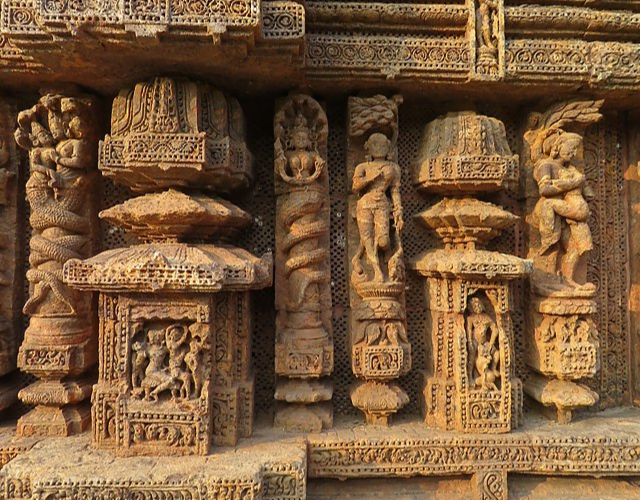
column 175, row 374
column 380, row 347
column 59, row 344
column 562, row 339
column 11, row 255
column 473, row 387
column 304, row 343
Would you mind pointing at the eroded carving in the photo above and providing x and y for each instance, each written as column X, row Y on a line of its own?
column 562, row 338
column 59, row 133
column 381, row 351
column 174, row 342
column 304, row 347
column 472, row 386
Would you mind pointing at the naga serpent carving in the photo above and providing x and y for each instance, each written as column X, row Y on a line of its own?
column 304, row 348
column 300, row 215
column 59, row 155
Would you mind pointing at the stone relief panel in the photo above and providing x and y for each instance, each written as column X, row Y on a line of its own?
column 563, row 341
column 469, row 289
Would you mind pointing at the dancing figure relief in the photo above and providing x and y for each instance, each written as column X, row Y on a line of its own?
column 561, row 213
column 377, row 183
column 560, row 238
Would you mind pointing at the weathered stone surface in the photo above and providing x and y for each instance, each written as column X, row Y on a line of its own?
column 380, row 348
column 60, row 134
column 304, row 343
column 189, row 363
column 473, row 385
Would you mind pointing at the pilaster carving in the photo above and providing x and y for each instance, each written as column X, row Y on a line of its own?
column 472, row 386
column 562, row 339
column 60, row 134
column 175, row 352
column 304, row 346
column 380, row 347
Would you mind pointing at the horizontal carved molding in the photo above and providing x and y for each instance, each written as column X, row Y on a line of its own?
column 598, row 446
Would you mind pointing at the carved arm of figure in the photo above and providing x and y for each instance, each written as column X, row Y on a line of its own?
column 548, row 186
column 362, row 177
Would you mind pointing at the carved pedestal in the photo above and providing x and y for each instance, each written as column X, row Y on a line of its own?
column 304, row 344
column 380, row 348
column 175, row 338
column 562, row 343
column 59, row 344
column 473, row 387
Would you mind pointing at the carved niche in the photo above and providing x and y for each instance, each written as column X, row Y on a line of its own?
column 60, row 134
column 472, row 386
column 380, row 347
column 11, row 255
column 304, row 344
column 175, row 342
column 562, row 338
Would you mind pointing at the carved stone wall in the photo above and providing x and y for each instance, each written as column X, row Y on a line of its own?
column 11, row 254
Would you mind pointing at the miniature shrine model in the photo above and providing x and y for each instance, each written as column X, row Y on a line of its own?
column 312, row 249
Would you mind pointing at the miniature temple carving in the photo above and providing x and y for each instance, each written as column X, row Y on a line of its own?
column 380, row 346
column 175, row 373
column 11, row 255
column 59, row 132
column 562, row 338
column 304, row 346
column 468, row 288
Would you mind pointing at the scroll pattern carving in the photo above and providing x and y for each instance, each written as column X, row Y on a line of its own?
column 304, row 348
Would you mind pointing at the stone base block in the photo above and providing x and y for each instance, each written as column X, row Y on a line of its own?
column 70, row 469
column 304, row 418
column 55, row 421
